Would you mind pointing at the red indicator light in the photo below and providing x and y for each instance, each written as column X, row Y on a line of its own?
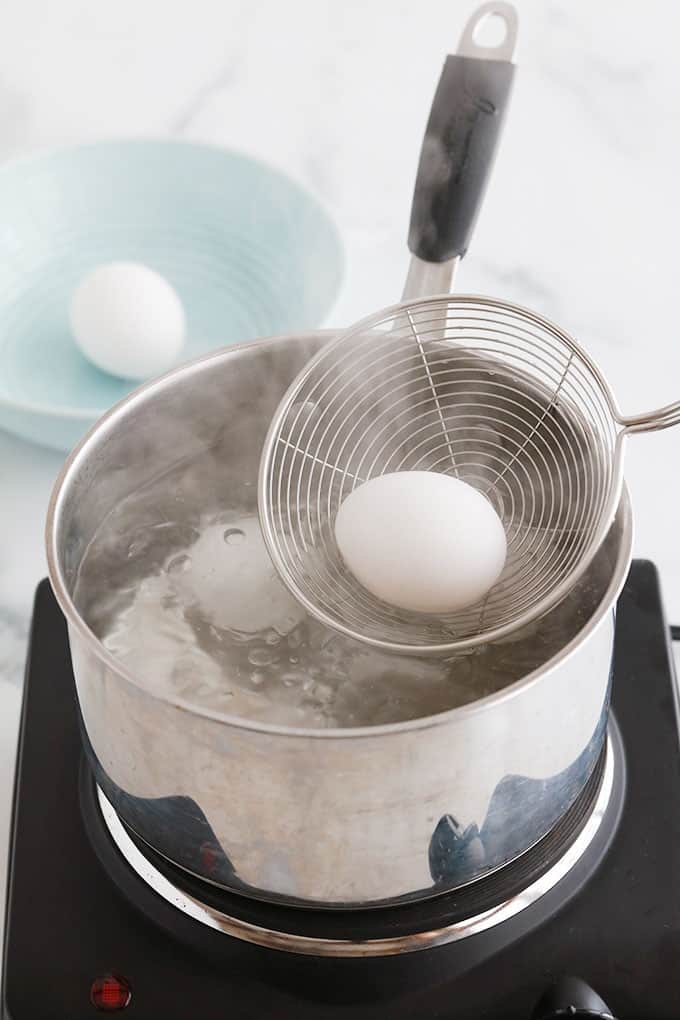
column 109, row 993
column 208, row 857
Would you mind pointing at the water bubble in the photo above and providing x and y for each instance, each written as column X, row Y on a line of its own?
column 293, row 659
column 295, row 638
column 291, row 679
column 179, row 564
column 239, row 637
column 138, row 546
column 322, row 693
column 234, row 536
column 257, row 679
column 284, row 627
column 261, row 656
column 320, row 638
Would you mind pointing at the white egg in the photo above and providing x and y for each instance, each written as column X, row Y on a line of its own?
column 128, row 320
column 421, row 541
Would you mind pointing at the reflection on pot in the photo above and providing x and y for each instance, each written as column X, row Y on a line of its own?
column 519, row 808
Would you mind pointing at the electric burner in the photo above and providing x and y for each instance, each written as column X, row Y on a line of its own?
column 587, row 920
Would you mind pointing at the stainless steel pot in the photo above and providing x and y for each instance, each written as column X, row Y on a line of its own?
column 345, row 817
column 337, row 817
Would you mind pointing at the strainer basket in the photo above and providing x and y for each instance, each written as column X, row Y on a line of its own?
column 473, row 387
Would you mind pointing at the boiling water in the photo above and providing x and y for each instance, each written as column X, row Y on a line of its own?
column 187, row 598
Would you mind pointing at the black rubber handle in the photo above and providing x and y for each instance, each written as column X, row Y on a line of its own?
column 457, row 155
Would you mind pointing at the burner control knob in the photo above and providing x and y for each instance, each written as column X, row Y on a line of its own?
column 571, row 997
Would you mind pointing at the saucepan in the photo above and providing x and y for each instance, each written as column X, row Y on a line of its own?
column 343, row 817
column 339, row 817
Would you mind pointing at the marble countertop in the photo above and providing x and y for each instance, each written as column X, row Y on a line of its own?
column 581, row 220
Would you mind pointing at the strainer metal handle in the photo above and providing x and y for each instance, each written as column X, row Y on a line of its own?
column 458, row 149
column 651, row 421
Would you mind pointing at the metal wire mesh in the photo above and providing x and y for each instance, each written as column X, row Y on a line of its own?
column 472, row 387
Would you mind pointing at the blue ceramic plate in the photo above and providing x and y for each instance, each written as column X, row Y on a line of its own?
column 249, row 252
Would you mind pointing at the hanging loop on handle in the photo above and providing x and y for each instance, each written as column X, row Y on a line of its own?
column 460, row 141
column 652, row 421
column 505, row 49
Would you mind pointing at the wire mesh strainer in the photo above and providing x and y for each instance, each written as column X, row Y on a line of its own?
column 473, row 387
column 477, row 388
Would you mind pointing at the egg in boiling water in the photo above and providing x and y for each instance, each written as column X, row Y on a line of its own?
column 421, row 540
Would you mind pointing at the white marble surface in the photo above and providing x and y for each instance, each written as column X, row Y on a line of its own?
column 581, row 220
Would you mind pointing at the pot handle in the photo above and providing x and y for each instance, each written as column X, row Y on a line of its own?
column 460, row 142
column 653, row 421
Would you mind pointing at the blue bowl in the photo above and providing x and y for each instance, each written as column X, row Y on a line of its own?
column 248, row 250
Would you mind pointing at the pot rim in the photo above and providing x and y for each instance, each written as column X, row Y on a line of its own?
column 109, row 420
